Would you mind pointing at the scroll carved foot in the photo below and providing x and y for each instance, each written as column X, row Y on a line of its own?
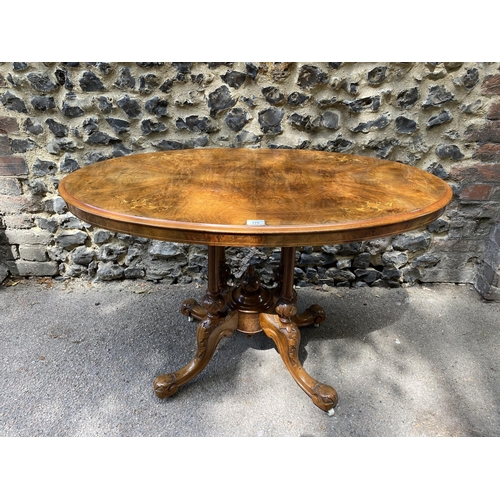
column 209, row 333
column 286, row 335
column 193, row 310
column 313, row 315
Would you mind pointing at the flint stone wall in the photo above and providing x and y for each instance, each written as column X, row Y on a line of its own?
column 441, row 117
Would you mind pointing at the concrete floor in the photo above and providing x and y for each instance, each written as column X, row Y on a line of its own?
column 78, row 359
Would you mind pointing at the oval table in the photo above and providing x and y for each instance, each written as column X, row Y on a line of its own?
column 260, row 198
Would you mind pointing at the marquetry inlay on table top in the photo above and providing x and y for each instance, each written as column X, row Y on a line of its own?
column 255, row 197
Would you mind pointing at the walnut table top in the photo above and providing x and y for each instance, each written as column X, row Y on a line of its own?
column 254, row 197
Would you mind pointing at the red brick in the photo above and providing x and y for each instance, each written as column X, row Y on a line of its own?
column 489, row 172
column 13, row 165
column 19, row 204
column 8, row 125
column 489, row 132
column 488, row 153
column 476, row 192
column 491, row 85
column 494, row 112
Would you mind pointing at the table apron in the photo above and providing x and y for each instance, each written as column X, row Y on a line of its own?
column 254, row 238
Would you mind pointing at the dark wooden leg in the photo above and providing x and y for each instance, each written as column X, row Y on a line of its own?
column 216, row 324
column 190, row 307
column 224, row 270
column 313, row 315
column 284, row 332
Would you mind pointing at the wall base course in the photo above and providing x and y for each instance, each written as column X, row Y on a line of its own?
column 459, row 267
column 26, row 268
column 8, row 252
column 18, row 221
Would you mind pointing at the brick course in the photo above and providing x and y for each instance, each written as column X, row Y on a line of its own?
column 494, row 112
column 491, row 85
column 477, row 173
column 13, row 166
column 477, row 192
column 8, row 125
column 487, row 132
column 488, row 153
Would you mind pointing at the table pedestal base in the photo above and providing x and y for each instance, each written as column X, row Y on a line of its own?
column 250, row 308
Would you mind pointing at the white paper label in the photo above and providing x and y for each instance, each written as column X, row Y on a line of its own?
column 256, row 222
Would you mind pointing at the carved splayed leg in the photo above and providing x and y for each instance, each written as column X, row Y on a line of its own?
column 193, row 310
column 286, row 335
column 313, row 315
column 209, row 333
column 217, row 322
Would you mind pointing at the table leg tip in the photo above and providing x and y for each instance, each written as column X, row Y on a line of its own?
column 165, row 386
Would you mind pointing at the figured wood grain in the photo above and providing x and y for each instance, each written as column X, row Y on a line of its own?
column 206, row 196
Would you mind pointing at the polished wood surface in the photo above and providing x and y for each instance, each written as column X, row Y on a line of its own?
column 206, row 196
